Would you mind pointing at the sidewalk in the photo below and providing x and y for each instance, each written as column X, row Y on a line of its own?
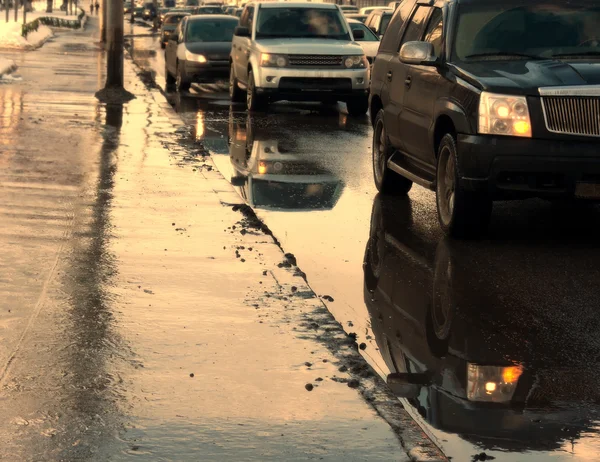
column 142, row 317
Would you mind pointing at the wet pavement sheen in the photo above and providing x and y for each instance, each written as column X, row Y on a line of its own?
column 523, row 300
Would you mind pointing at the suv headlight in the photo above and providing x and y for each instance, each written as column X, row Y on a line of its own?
column 504, row 115
column 269, row 60
column 493, row 384
column 356, row 62
column 189, row 56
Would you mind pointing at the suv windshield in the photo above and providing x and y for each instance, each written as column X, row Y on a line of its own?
column 301, row 22
column 542, row 30
column 213, row 30
column 385, row 21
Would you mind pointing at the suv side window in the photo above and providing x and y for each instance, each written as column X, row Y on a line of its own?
column 434, row 31
column 391, row 38
column 414, row 30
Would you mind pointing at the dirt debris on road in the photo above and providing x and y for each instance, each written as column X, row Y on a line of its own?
column 103, row 363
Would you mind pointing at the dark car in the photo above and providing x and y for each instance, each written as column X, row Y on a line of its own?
column 501, row 102
column 169, row 25
column 199, row 49
column 138, row 11
column 127, row 8
column 209, row 10
column 150, row 11
column 378, row 21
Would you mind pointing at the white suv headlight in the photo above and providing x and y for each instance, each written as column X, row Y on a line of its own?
column 504, row 115
column 269, row 60
column 356, row 62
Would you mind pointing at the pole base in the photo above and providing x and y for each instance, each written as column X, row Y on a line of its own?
column 114, row 95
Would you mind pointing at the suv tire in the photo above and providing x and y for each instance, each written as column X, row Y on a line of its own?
column 386, row 180
column 182, row 82
column 235, row 93
column 461, row 213
column 358, row 107
column 254, row 102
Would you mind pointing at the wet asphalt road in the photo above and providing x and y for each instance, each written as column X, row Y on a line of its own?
column 527, row 294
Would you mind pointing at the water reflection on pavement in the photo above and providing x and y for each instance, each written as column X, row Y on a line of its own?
column 492, row 346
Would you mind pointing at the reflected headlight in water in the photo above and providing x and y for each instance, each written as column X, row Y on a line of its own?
column 492, row 384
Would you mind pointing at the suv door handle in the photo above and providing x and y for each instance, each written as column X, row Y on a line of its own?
column 408, row 81
column 389, row 75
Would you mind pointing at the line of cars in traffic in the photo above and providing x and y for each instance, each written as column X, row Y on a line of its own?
column 463, row 99
column 278, row 51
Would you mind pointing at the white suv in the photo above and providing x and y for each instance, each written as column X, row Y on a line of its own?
column 297, row 52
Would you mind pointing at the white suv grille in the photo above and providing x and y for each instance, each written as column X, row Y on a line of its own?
column 315, row 61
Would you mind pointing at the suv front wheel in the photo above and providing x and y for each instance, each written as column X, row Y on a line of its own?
column 461, row 213
column 386, row 180
column 254, row 101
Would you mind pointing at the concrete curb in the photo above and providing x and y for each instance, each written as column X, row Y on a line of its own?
column 318, row 324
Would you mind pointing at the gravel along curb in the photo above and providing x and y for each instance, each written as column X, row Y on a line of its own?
column 294, row 295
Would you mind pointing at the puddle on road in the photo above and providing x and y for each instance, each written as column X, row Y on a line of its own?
column 493, row 344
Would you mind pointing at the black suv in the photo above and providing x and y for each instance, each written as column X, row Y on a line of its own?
column 481, row 100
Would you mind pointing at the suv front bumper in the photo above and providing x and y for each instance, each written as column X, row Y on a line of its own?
column 507, row 166
column 312, row 85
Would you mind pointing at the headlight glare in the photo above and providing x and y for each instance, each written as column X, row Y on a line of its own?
column 269, row 60
column 504, row 115
column 492, row 384
column 189, row 56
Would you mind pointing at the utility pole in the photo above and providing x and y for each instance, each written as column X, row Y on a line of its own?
column 25, row 11
column 114, row 42
column 103, row 18
column 16, row 10
column 113, row 91
column 7, row 8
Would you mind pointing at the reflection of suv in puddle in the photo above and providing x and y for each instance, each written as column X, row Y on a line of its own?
column 454, row 324
column 297, row 52
column 273, row 174
column 485, row 100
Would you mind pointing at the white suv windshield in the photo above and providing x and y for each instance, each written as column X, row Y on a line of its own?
column 527, row 31
column 301, row 23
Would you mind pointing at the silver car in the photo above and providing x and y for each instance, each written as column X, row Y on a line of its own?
column 297, row 52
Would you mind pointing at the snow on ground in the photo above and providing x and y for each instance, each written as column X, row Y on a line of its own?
column 10, row 36
column 6, row 66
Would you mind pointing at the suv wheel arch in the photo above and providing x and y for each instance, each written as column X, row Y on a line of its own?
column 443, row 126
column 374, row 108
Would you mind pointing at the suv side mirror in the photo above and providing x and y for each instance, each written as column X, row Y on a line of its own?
column 358, row 34
column 419, row 53
column 241, row 31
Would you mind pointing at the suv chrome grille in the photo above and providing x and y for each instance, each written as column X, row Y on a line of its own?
column 315, row 60
column 572, row 115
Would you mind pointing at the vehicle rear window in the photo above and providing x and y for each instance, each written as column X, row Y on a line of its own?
column 174, row 19
column 209, row 10
column 301, row 23
column 547, row 30
column 220, row 30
